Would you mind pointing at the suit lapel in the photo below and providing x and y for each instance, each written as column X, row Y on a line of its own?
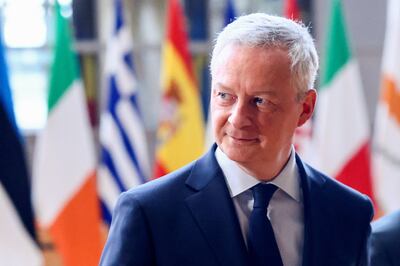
column 316, row 229
column 212, row 208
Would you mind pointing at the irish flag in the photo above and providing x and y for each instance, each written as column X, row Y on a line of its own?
column 341, row 129
column 64, row 185
column 181, row 127
column 387, row 121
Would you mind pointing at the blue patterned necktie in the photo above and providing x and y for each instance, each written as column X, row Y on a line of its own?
column 262, row 247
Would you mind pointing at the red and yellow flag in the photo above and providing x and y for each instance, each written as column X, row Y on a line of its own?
column 181, row 129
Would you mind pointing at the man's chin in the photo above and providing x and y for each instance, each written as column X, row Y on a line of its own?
column 237, row 154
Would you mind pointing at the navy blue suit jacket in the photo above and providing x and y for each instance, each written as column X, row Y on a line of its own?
column 386, row 241
column 188, row 218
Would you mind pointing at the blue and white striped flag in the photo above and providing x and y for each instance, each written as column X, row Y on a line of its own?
column 124, row 155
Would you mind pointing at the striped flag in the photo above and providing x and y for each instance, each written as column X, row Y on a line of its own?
column 387, row 121
column 230, row 12
column 17, row 231
column 181, row 128
column 64, row 180
column 124, row 154
column 341, row 131
column 5, row 91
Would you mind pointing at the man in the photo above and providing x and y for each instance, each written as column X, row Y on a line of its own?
column 386, row 240
column 263, row 69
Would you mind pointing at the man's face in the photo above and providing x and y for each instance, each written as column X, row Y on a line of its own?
column 254, row 105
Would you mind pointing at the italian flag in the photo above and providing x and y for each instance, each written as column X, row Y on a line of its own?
column 387, row 121
column 64, row 185
column 180, row 133
column 341, row 129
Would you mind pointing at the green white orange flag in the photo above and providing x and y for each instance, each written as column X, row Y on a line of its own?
column 341, row 128
column 387, row 121
column 64, row 185
column 181, row 128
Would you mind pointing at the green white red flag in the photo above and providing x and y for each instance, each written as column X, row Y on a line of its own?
column 341, row 128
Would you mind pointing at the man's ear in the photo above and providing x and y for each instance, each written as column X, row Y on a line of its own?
column 308, row 105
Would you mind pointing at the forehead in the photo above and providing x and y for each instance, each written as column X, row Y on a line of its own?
column 252, row 66
column 260, row 56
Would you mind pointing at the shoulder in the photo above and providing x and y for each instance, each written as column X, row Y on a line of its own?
column 177, row 185
column 138, row 213
column 337, row 198
column 168, row 186
column 338, row 192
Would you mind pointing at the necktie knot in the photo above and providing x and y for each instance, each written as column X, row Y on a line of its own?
column 262, row 194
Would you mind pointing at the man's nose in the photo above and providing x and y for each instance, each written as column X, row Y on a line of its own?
column 241, row 115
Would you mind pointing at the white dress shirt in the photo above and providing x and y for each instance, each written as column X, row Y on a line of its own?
column 285, row 210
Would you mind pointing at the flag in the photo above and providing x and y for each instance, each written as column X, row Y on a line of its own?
column 291, row 9
column 230, row 12
column 181, row 127
column 64, row 180
column 229, row 16
column 341, row 132
column 387, row 120
column 18, row 244
column 124, row 154
column 5, row 91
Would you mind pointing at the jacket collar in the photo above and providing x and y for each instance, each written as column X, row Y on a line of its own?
column 213, row 210
column 315, row 226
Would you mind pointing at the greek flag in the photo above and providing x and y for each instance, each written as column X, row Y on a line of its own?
column 124, row 155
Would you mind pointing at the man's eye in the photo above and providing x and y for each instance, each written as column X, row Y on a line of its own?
column 224, row 95
column 221, row 95
column 224, row 98
column 263, row 104
column 259, row 101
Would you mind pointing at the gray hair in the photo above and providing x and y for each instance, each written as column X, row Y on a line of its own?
column 262, row 30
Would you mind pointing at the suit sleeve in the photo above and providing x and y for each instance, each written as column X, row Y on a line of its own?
column 129, row 240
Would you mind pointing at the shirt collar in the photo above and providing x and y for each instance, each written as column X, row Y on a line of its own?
column 239, row 181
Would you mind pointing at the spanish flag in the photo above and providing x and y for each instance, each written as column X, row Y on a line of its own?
column 181, row 128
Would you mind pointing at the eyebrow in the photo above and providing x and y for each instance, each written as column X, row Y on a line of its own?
column 260, row 92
